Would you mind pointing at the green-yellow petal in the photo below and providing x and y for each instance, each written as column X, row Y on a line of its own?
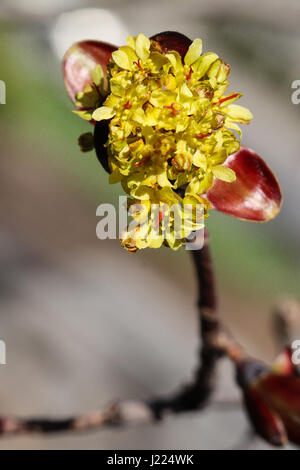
column 200, row 160
column 130, row 42
column 231, row 125
column 175, row 61
column 194, row 52
column 224, row 173
column 121, row 59
column 204, row 62
column 142, row 47
column 239, row 114
column 98, row 75
column 103, row 113
column 83, row 114
column 200, row 186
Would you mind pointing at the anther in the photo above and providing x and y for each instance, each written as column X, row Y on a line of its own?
column 189, row 75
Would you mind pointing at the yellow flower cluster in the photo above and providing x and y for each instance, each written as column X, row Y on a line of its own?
column 171, row 126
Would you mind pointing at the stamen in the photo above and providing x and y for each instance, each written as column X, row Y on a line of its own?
column 202, row 136
column 127, row 105
column 174, row 110
column 234, row 95
column 141, row 162
column 189, row 75
column 138, row 64
column 160, row 217
column 161, row 214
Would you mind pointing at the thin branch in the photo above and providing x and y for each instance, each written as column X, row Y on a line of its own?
column 215, row 342
column 119, row 414
column 195, row 395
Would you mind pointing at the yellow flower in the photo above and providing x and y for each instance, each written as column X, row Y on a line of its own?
column 170, row 127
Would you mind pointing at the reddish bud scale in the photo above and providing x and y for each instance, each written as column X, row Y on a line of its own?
column 272, row 399
column 80, row 61
column 254, row 195
column 282, row 393
column 265, row 422
column 173, row 41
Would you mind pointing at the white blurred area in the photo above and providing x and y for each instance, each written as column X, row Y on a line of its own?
column 86, row 23
column 41, row 8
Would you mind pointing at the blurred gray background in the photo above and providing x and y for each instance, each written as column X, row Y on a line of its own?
column 84, row 322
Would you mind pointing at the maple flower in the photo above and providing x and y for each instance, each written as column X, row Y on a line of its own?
column 168, row 131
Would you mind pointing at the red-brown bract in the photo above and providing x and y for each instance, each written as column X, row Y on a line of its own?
column 272, row 399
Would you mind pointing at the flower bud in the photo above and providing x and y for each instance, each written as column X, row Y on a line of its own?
column 86, row 142
column 272, row 400
column 266, row 423
column 282, row 393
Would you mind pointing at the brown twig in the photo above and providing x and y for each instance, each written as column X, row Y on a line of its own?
column 118, row 414
column 195, row 395
column 215, row 343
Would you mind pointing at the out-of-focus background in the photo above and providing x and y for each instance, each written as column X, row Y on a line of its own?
column 84, row 322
